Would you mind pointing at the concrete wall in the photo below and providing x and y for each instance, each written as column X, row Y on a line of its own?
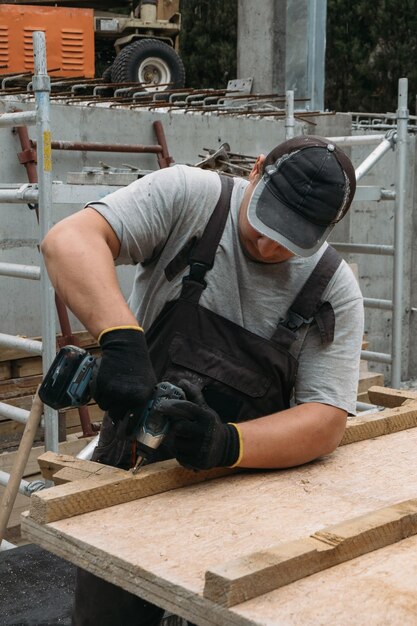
column 187, row 135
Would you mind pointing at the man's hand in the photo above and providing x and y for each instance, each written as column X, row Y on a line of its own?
column 201, row 440
column 125, row 378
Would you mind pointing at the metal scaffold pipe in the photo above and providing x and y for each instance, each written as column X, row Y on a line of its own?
column 23, row 485
column 378, row 357
column 42, row 88
column 376, row 155
column 21, row 118
column 398, row 287
column 14, row 413
column 357, row 140
column 364, row 248
column 31, row 346
column 289, row 114
column 32, row 272
column 24, row 193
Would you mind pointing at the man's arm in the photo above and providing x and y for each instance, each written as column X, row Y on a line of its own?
column 79, row 253
column 292, row 437
column 283, row 439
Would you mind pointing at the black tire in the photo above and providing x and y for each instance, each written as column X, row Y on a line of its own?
column 151, row 63
column 106, row 76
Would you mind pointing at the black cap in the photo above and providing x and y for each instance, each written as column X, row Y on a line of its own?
column 307, row 186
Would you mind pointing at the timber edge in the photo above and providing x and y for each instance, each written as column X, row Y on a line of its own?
column 84, row 486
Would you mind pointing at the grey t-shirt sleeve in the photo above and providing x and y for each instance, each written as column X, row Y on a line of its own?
column 329, row 373
column 158, row 208
column 143, row 213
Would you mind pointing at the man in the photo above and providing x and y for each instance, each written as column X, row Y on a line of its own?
column 248, row 310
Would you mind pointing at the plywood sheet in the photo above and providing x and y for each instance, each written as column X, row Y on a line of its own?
column 160, row 547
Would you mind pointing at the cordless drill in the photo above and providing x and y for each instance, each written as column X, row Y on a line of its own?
column 68, row 383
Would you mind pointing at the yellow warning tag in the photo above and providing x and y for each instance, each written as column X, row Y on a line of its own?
column 47, row 151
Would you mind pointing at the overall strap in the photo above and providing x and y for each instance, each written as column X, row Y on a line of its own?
column 308, row 304
column 200, row 254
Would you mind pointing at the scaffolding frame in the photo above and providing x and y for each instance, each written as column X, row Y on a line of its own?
column 40, row 118
column 394, row 139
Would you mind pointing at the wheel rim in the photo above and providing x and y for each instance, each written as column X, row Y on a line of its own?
column 154, row 73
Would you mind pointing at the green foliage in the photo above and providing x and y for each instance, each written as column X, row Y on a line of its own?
column 208, row 42
column 370, row 45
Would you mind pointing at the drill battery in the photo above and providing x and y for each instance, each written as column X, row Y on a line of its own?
column 67, row 382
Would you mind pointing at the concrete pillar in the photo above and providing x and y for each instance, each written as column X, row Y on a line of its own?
column 281, row 45
column 261, row 44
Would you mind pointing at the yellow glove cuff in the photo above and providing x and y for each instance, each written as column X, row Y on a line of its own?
column 107, row 330
column 239, row 432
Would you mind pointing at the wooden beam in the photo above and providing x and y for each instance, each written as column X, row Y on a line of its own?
column 5, row 370
column 381, row 423
column 260, row 572
column 94, row 485
column 105, row 488
column 14, row 387
column 50, row 463
column 32, row 366
column 385, row 396
column 369, row 379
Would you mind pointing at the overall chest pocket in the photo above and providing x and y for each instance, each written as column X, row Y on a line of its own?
column 212, row 363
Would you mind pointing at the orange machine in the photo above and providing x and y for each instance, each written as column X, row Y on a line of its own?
column 69, row 39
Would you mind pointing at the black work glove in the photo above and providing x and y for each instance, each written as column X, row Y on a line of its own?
column 125, row 378
column 201, row 440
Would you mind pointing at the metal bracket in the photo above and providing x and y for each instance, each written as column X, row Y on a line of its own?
column 391, row 136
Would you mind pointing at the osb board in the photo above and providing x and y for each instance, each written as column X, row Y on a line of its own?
column 376, row 589
column 160, row 547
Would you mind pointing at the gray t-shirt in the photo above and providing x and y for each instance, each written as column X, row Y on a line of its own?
column 154, row 217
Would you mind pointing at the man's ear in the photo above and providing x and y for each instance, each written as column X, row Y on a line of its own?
column 257, row 169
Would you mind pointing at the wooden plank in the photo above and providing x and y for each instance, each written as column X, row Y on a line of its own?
column 386, row 396
column 5, row 370
column 380, row 423
column 116, row 482
column 15, row 387
column 160, row 547
column 73, row 417
column 260, row 572
column 29, row 366
column 50, row 463
column 363, row 397
column 369, row 379
column 32, row 366
column 106, row 489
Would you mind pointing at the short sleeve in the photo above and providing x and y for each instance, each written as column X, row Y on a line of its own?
column 329, row 373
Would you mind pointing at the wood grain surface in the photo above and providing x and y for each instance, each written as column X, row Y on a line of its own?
column 160, row 547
